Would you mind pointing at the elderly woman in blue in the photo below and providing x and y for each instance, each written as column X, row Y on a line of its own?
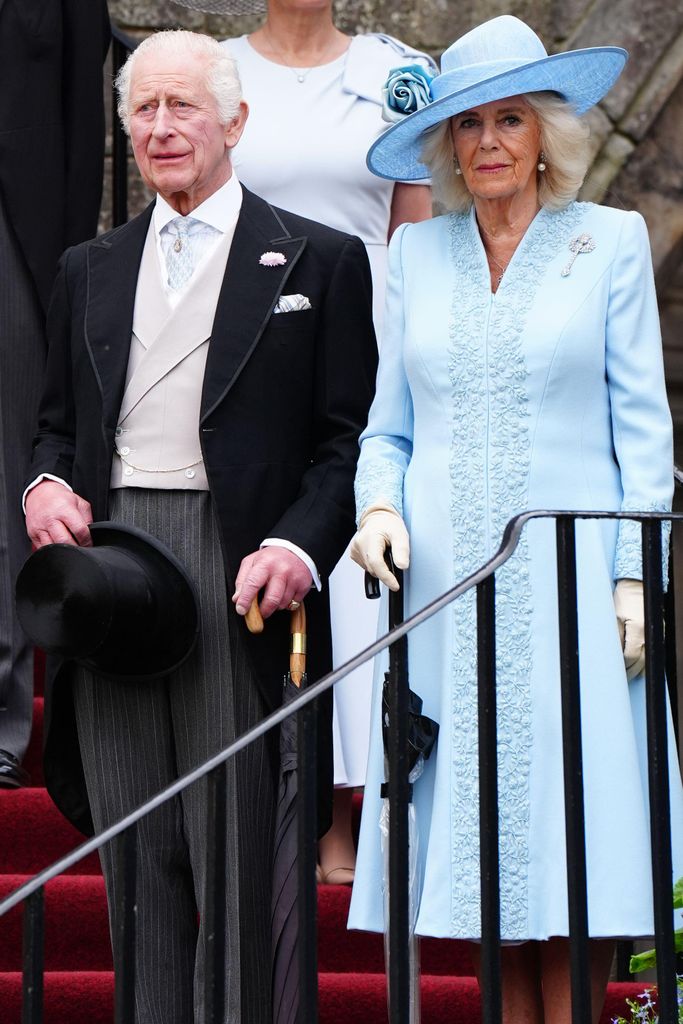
column 521, row 368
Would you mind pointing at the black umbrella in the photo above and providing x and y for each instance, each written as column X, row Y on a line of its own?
column 284, row 914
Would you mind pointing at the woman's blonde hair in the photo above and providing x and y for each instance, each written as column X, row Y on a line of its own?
column 564, row 142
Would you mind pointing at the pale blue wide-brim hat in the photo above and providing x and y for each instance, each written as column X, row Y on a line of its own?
column 503, row 57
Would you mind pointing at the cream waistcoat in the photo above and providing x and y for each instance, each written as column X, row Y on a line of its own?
column 157, row 435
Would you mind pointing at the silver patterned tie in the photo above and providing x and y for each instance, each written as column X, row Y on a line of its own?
column 180, row 257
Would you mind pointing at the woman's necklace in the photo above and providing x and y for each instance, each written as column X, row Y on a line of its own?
column 499, row 266
column 301, row 74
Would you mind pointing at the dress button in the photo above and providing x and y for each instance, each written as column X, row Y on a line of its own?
column 118, row 431
column 128, row 471
column 125, row 451
column 190, row 474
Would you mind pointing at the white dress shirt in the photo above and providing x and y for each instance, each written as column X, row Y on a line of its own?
column 216, row 216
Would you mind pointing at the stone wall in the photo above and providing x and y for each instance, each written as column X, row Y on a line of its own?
column 637, row 130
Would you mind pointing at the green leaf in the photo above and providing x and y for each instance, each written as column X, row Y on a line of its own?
column 678, row 894
column 644, row 961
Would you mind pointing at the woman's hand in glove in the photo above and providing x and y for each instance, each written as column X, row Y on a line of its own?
column 380, row 526
column 628, row 604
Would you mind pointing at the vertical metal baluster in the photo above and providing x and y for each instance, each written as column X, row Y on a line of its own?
column 399, row 796
column 126, row 854
column 119, row 144
column 573, row 770
column 307, row 816
column 491, row 993
column 624, row 954
column 671, row 667
column 214, row 895
column 33, row 958
column 658, row 772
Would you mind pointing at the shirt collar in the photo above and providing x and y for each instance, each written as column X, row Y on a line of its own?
column 219, row 211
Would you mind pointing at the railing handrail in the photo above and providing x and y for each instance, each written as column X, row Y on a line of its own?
column 508, row 545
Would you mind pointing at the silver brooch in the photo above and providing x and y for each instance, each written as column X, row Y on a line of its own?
column 584, row 243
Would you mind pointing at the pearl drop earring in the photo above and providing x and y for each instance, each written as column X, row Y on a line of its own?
column 456, row 165
column 541, row 165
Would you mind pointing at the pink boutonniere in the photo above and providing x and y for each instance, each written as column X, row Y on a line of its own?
column 272, row 259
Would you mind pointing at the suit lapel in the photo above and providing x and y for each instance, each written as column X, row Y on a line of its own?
column 248, row 295
column 113, row 265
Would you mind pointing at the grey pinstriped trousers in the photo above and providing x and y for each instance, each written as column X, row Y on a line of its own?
column 135, row 738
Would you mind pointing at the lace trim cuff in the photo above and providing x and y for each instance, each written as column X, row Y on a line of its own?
column 378, row 483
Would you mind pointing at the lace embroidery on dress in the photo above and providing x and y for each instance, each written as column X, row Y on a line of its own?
column 628, row 557
column 489, row 470
column 375, row 479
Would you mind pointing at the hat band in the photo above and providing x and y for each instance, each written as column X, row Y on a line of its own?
column 450, row 82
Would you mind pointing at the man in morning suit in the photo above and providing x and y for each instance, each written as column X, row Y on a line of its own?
column 210, row 367
column 51, row 163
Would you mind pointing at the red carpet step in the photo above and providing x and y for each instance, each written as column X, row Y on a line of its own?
column 76, row 926
column 77, row 933
column 80, row 997
column 33, row 834
column 359, row 998
column 71, row 997
column 341, row 950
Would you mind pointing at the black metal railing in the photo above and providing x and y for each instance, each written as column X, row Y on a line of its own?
column 122, row 45
column 124, row 831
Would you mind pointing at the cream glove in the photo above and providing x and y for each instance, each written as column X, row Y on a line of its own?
column 628, row 604
column 379, row 526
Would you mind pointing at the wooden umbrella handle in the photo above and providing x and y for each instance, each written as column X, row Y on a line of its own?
column 297, row 641
column 253, row 618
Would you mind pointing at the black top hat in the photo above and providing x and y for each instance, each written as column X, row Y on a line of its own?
column 125, row 607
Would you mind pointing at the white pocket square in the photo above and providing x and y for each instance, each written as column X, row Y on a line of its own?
column 292, row 303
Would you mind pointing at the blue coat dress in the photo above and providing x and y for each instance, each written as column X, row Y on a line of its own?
column 548, row 394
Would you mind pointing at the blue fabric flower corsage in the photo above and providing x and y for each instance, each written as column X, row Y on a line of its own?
column 406, row 90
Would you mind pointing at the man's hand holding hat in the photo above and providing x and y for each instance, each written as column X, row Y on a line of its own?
column 55, row 515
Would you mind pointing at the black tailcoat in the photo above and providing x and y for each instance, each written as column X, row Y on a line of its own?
column 283, row 401
column 51, row 126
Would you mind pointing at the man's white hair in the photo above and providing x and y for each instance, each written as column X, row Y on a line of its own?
column 222, row 79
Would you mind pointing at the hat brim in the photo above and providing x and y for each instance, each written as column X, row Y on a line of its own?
column 235, row 7
column 581, row 77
